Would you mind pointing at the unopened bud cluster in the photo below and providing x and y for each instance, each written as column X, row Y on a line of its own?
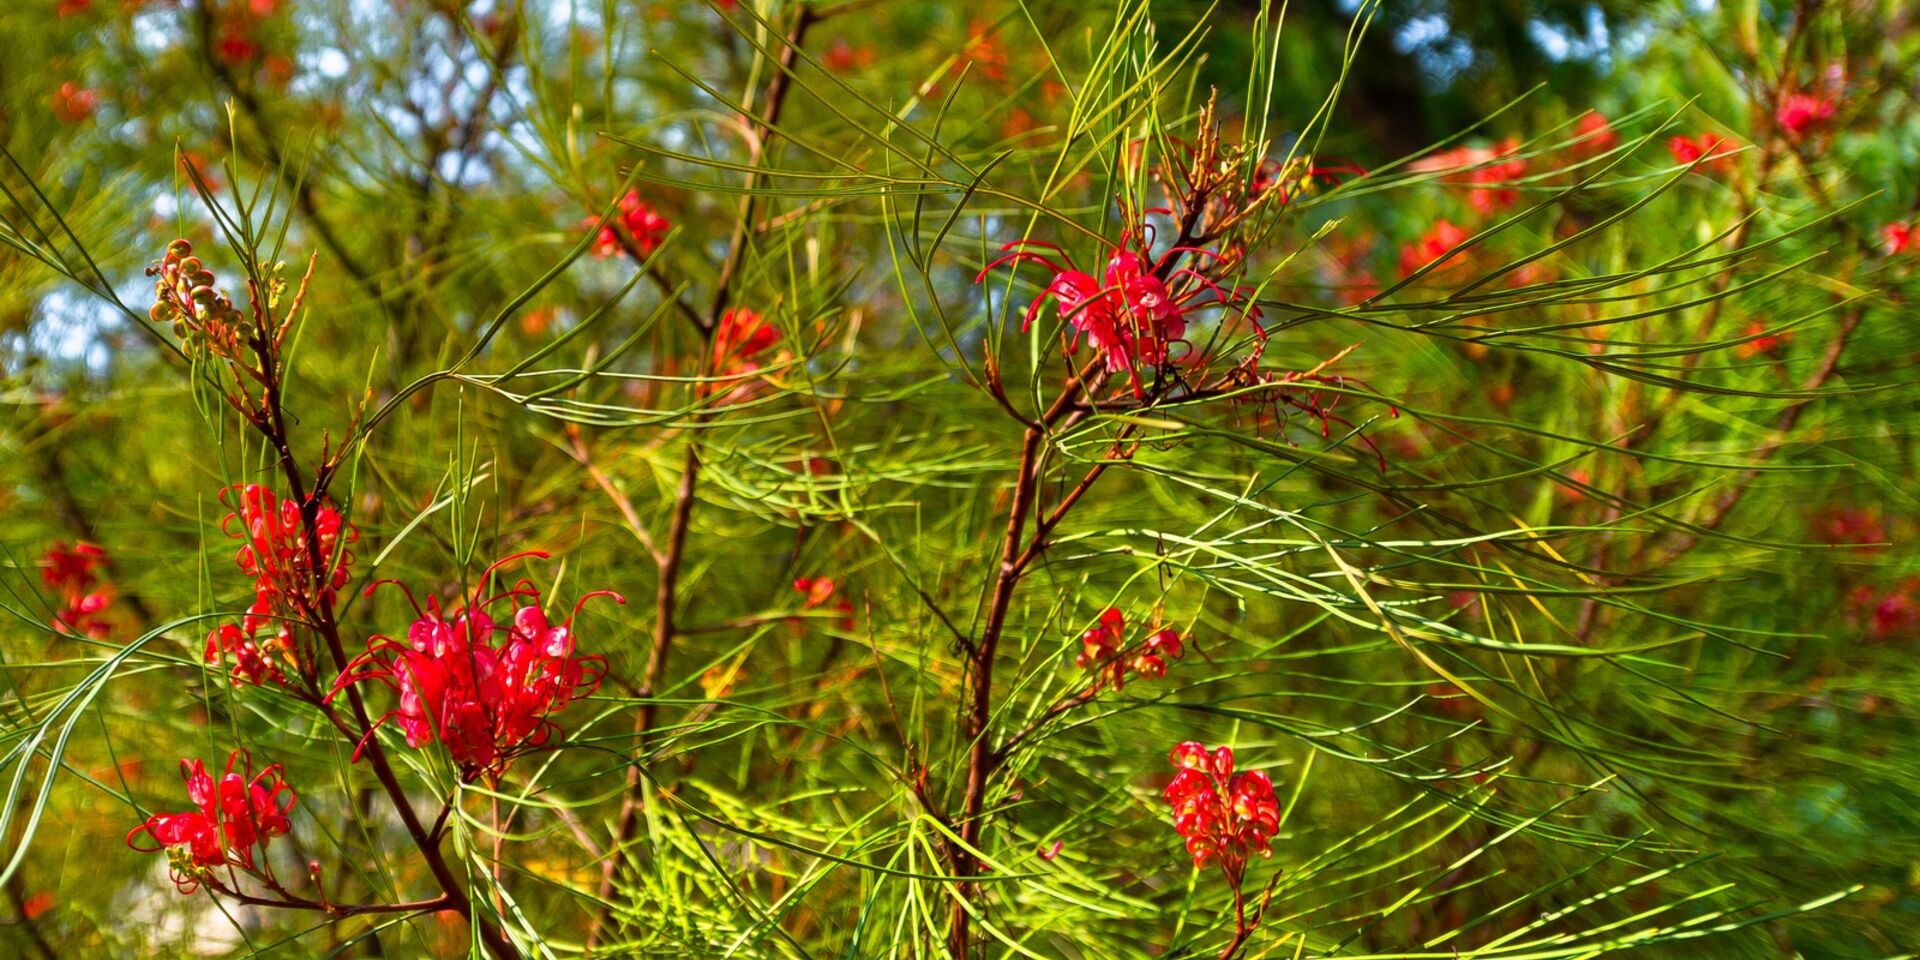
column 184, row 298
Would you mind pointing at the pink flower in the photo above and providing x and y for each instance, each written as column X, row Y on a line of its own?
column 1850, row 526
column 486, row 703
column 235, row 815
column 1800, row 112
column 1221, row 814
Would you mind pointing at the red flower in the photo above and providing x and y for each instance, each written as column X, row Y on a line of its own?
column 73, row 103
column 487, row 704
column 1596, row 135
column 236, row 814
column 1102, row 652
column 1717, row 150
column 643, row 225
column 1895, row 613
column 740, row 345
column 1133, row 315
column 1899, row 237
column 819, row 590
column 1478, row 169
column 1435, row 246
column 1850, row 526
column 1800, row 112
column 1762, row 342
column 1221, row 814
column 288, row 586
column 72, row 573
column 842, row 57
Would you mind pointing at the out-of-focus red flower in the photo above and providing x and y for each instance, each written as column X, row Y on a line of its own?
column 73, row 103
column 235, row 815
column 1897, row 237
column 1224, row 816
column 1717, row 149
column 741, row 343
column 487, row 704
column 844, row 57
column 985, row 52
column 1595, row 135
column 818, row 591
column 1886, row 615
column 645, row 227
column 1763, row 343
column 1434, row 246
column 1850, row 526
column 1800, row 112
column 72, row 572
column 37, row 904
column 1481, row 170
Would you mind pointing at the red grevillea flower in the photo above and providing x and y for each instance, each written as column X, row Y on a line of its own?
column 1850, row 526
column 1898, row 237
column 73, row 103
column 72, row 573
column 1885, row 616
column 1222, row 815
column 1434, row 246
column 288, row 585
column 1595, row 135
column 644, row 226
column 1763, row 343
column 488, row 704
column 1136, row 312
column 741, row 342
column 1717, row 149
column 1103, row 651
column 236, row 814
column 818, row 591
column 1479, row 169
column 1801, row 112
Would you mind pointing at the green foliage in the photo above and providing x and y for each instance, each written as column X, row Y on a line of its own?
column 1561, row 584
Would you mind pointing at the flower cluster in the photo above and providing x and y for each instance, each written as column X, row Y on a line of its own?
column 237, row 30
column 235, row 815
column 184, row 299
column 1136, row 312
column 1434, row 246
column 818, row 591
column 1103, row 652
column 1482, row 170
column 73, row 103
column 288, row 585
column 1594, row 135
column 643, row 226
column 72, row 572
column 487, row 704
column 1899, row 238
column 1850, row 526
column 1222, row 815
column 740, row 345
column 1801, row 112
column 1717, row 150
column 1887, row 614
